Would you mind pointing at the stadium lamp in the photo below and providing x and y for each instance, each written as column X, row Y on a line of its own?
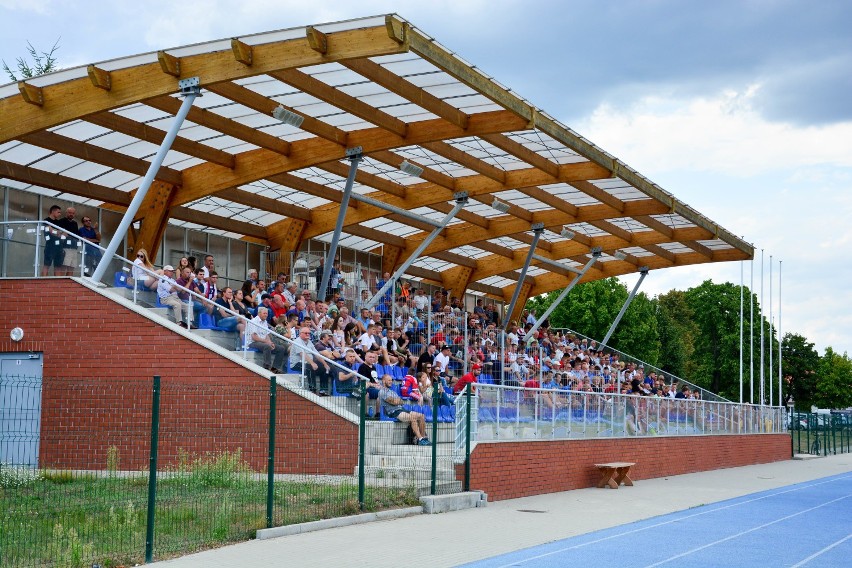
column 410, row 169
column 288, row 117
column 620, row 254
column 500, row 206
column 568, row 233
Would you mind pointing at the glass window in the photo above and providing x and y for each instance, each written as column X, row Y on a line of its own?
column 174, row 246
column 237, row 268
column 23, row 206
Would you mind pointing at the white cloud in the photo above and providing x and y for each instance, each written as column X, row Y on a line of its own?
column 34, row 6
column 723, row 133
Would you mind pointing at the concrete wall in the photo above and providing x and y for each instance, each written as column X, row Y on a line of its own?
column 99, row 360
column 506, row 470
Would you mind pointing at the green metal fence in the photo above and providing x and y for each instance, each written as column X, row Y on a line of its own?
column 124, row 472
column 821, row 434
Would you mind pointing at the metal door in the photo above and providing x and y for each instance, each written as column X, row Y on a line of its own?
column 20, row 408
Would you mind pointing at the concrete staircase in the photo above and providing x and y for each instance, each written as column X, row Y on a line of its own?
column 390, row 458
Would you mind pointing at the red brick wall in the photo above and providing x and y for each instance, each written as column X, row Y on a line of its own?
column 506, row 470
column 99, row 360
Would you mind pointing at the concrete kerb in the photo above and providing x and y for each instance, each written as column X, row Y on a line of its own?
column 431, row 504
column 312, row 526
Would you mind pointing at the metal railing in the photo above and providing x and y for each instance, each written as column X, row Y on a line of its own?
column 540, row 414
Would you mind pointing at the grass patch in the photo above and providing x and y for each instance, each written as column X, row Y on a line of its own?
column 64, row 519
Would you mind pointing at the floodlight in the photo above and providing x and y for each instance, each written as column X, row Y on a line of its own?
column 288, row 116
column 568, row 233
column 620, row 254
column 410, row 169
column 500, row 206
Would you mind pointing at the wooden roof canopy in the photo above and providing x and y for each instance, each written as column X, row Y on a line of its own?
column 378, row 83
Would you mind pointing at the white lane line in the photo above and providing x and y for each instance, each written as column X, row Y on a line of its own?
column 741, row 533
column 821, row 552
column 619, row 535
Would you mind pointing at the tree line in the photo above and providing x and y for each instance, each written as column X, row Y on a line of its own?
column 695, row 334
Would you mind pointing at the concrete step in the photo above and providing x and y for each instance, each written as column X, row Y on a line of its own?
column 146, row 299
column 422, row 461
column 383, row 435
column 420, row 476
column 224, row 339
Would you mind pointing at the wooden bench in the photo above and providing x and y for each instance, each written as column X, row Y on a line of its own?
column 614, row 474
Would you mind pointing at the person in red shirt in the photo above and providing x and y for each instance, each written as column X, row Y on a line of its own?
column 470, row 377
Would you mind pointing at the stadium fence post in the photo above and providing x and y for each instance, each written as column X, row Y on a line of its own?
column 152, row 470
column 362, row 434
column 270, row 457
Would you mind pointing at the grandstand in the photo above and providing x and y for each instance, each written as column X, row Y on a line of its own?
column 365, row 142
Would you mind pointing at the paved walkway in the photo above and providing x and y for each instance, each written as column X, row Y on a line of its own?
column 451, row 539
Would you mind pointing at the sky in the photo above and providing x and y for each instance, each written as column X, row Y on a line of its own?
column 741, row 109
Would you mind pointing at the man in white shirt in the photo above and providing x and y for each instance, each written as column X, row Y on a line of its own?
column 167, row 292
column 442, row 359
column 257, row 333
column 315, row 368
column 421, row 301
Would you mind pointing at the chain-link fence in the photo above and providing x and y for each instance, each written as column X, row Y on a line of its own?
column 228, row 458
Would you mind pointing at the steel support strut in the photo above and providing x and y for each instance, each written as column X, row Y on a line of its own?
column 537, row 229
column 530, row 335
column 461, row 201
column 644, row 272
column 355, row 155
column 190, row 88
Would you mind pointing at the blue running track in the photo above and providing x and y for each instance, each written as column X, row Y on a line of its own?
column 807, row 524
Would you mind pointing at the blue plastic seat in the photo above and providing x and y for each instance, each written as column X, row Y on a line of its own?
column 485, row 415
column 120, row 280
column 207, row 321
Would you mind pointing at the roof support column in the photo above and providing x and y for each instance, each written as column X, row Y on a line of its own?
column 644, row 272
column 596, row 254
column 461, row 201
column 355, row 155
column 538, row 229
column 190, row 88
column 155, row 217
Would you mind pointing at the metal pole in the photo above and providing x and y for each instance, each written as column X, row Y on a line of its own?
column 596, row 253
column 39, row 229
column 538, row 229
column 780, row 397
column 152, row 471
column 435, row 409
column 643, row 271
column 355, row 155
column 270, row 458
column 461, row 201
column 741, row 332
column 467, row 438
column 762, row 350
column 193, row 89
column 751, row 335
column 362, row 436
column 771, row 335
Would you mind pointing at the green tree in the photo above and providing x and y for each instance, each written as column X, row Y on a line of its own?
column 716, row 314
column 834, row 381
column 42, row 62
column 800, row 364
column 677, row 332
column 590, row 309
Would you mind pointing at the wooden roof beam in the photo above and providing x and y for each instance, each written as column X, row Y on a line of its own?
column 699, row 248
column 659, row 251
column 462, row 158
column 613, row 230
column 265, row 203
column 528, row 239
column 265, row 105
column 429, row 174
column 153, row 135
column 552, row 200
column 312, row 188
column 364, row 178
column 66, row 184
column 457, row 259
column 407, row 90
column 521, row 152
column 333, row 96
column 514, row 210
column 89, row 152
column 592, row 190
column 219, row 123
column 374, row 235
column 494, row 248
column 654, row 225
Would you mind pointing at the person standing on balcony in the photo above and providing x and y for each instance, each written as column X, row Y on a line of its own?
column 53, row 252
column 69, row 243
column 89, row 231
